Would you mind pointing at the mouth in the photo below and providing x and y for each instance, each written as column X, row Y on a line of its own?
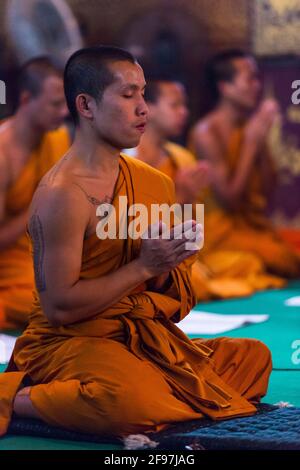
column 141, row 127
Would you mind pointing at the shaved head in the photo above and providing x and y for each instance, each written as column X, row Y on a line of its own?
column 33, row 74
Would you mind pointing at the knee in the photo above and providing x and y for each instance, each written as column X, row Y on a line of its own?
column 113, row 407
column 265, row 352
column 262, row 354
column 254, row 350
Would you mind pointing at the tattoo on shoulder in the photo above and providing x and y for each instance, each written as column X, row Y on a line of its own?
column 93, row 200
column 56, row 169
column 49, row 178
column 37, row 235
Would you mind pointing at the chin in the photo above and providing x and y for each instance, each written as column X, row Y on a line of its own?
column 132, row 143
column 53, row 127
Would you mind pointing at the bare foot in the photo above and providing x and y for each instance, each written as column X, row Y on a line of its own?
column 23, row 405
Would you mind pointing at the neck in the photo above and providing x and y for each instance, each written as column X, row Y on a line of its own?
column 153, row 137
column 98, row 155
column 234, row 114
column 26, row 133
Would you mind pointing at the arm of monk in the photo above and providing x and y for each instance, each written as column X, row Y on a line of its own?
column 10, row 229
column 228, row 188
column 57, row 226
column 177, row 283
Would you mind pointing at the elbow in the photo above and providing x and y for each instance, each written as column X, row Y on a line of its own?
column 56, row 316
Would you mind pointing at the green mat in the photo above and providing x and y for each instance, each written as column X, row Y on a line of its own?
column 279, row 333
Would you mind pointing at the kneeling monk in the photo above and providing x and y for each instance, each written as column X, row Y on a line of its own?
column 102, row 353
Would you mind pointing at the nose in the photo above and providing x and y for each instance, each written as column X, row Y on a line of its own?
column 185, row 112
column 142, row 108
column 64, row 112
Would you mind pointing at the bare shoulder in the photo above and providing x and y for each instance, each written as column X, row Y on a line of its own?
column 59, row 201
column 205, row 127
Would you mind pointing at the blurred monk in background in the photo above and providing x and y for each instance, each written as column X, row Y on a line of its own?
column 102, row 353
column 217, row 274
column 31, row 141
column 234, row 139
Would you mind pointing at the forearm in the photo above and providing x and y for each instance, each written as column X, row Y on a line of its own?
column 88, row 297
column 12, row 230
column 233, row 189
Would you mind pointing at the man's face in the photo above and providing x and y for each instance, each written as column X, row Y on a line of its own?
column 48, row 108
column 120, row 116
column 169, row 114
column 245, row 86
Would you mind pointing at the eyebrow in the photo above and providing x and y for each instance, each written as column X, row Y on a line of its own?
column 133, row 87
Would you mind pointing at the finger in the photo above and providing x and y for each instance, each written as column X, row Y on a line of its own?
column 154, row 231
column 187, row 254
column 192, row 235
column 191, row 242
column 178, row 230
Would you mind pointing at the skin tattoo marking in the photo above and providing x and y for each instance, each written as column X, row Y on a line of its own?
column 56, row 169
column 50, row 178
column 37, row 235
column 93, row 200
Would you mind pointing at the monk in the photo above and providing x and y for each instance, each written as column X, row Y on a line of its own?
column 31, row 142
column 102, row 353
column 218, row 273
column 233, row 138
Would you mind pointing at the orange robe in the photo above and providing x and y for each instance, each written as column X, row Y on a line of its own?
column 248, row 228
column 16, row 272
column 130, row 369
column 220, row 273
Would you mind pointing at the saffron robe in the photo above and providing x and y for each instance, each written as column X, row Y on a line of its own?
column 248, row 228
column 129, row 368
column 16, row 271
column 219, row 273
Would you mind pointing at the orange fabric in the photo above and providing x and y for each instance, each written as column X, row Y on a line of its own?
column 220, row 273
column 248, row 228
column 130, row 369
column 16, row 272
column 291, row 236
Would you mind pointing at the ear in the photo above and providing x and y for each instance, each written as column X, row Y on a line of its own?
column 224, row 87
column 25, row 97
column 85, row 105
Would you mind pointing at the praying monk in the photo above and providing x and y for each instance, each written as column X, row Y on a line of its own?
column 102, row 353
column 219, row 273
column 233, row 138
column 31, row 142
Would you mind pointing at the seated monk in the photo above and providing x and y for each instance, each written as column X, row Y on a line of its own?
column 31, row 142
column 233, row 138
column 218, row 273
column 102, row 353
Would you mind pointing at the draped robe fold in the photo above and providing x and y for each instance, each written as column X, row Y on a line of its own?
column 130, row 368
